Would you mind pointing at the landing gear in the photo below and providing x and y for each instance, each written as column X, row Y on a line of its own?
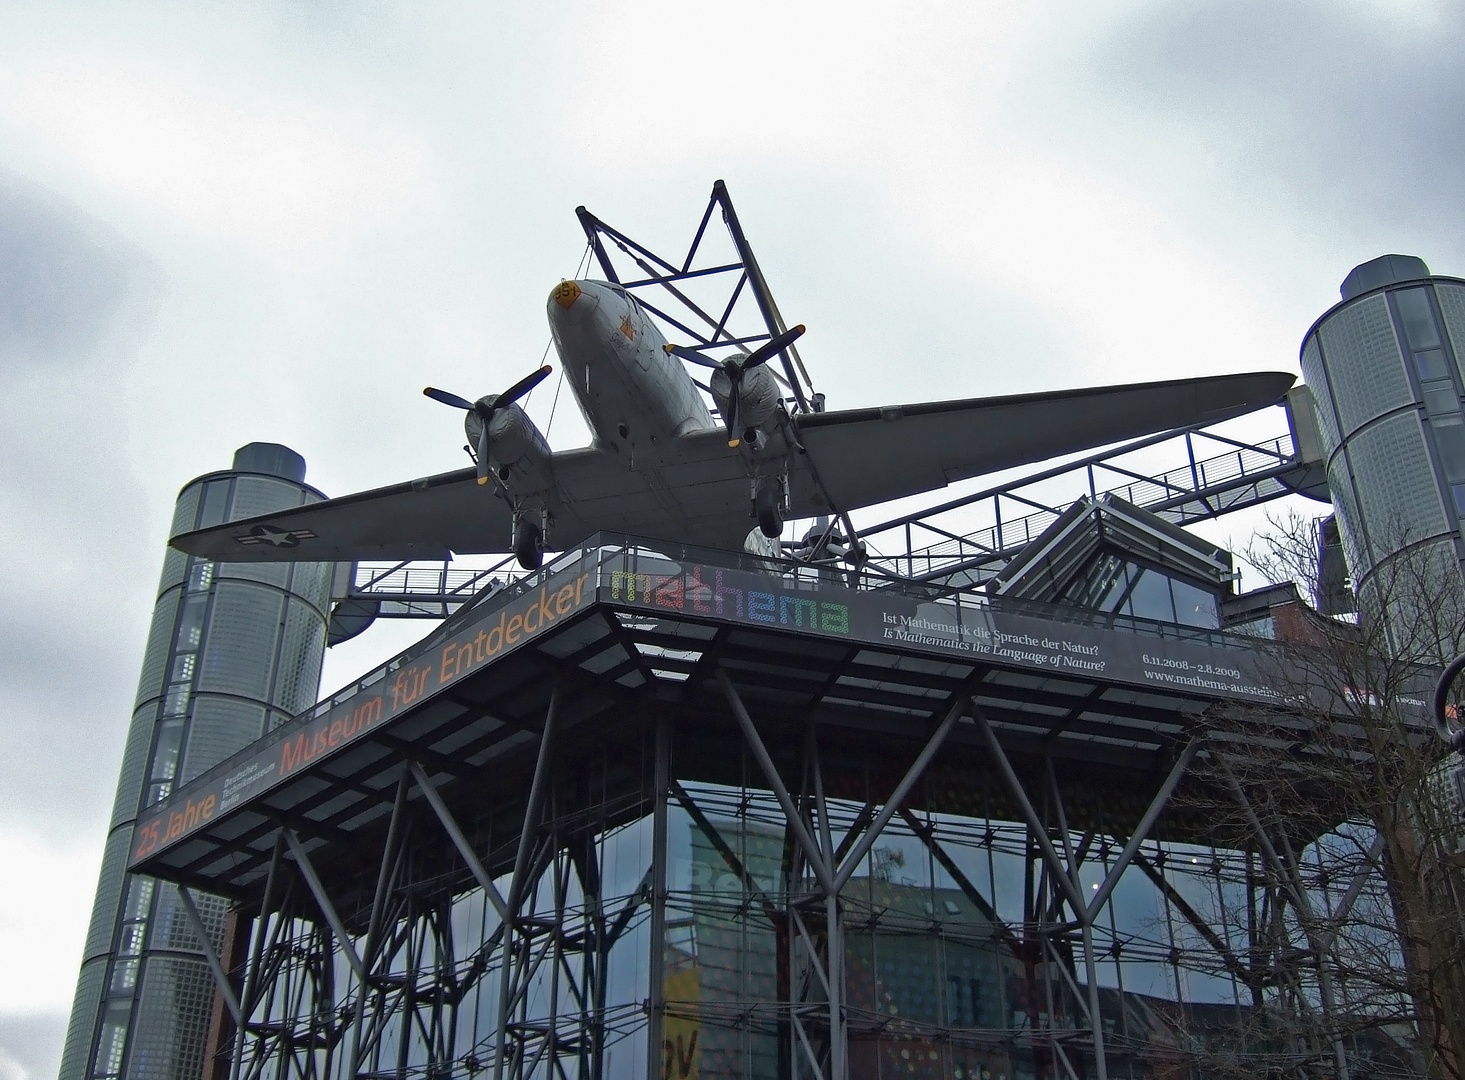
column 528, row 543
column 766, row 509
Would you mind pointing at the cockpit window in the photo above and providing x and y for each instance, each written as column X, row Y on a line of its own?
column 620, row 290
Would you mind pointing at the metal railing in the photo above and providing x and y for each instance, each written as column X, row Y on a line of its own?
column 606, row 553
column 924, row 551
column 1243, row 474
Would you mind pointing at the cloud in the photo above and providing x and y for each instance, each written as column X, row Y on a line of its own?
column 216, row 158
column 30, row 1046
column 42, row 925
column 72, row 297
column 785, row 85
column 60, row 284
column 1357, row 112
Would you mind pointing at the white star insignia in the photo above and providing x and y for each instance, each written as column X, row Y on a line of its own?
column 275, row 536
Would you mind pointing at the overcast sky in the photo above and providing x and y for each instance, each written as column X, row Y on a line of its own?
column 231, row 222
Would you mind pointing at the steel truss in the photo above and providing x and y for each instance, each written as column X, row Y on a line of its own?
column 386, row 992
column 717, row 319
column 453, row 969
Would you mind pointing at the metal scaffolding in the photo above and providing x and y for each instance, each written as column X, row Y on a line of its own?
column 664, row 848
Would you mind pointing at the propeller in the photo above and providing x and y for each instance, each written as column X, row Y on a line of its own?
column 734, row 367
column 485, row 407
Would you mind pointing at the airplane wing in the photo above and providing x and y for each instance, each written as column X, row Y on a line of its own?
column 868, row 456
column 450, row 513
column 697, row 492
column 419, row 519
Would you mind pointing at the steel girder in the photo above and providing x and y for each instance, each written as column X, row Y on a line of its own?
column 512, row 977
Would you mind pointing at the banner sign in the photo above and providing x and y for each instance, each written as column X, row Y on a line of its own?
column 807, row 602
column 308, row 739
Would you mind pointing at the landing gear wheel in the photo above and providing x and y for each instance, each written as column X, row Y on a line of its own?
column 528, row 548
column 765, row 507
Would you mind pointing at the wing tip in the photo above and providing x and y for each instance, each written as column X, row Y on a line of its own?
column 1258, row 389
column 190, row 543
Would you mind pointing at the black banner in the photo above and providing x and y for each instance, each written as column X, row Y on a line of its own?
column 961, row 627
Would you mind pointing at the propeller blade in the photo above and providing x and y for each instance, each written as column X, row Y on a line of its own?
column 735, row 415
column 483, row 454
column 693, row 355
column 522, row 387
column 448, row 399
column 774, row 346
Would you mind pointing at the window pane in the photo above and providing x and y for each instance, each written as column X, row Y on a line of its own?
column 1119, row 576
column 200, row 575
column 1151, row 597
column 165, row 755
column 183, row 665
column 1194, row 606
column 124, row 976
column 1098, row 582
column 175, row 701
column 1431, row 364
column 1450, row 437
column 1418, row 319
column 1440, row 398
column 190, row 623
column 139, row 895
column 215, row 503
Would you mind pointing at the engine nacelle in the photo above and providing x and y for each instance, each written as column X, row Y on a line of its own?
column 760, row 396
column 518, row 452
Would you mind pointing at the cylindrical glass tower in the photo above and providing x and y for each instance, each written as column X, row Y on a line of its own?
column 1384, row 368
column 234, row 650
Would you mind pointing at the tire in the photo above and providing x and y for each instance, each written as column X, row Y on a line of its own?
column 765, row 506
column 527, row 547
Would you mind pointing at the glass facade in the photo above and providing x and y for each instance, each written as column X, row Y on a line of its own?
column 958, row 954
column 233, row 651
column 1120, row 585
column 1384, row 369
column 959, row 960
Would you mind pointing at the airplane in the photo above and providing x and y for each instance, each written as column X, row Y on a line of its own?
column 661, row 466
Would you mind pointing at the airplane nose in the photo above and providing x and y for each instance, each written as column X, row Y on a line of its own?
column 565, row 294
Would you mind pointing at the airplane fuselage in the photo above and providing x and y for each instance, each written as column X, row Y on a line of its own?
column 640, row 402
column 636, row 397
